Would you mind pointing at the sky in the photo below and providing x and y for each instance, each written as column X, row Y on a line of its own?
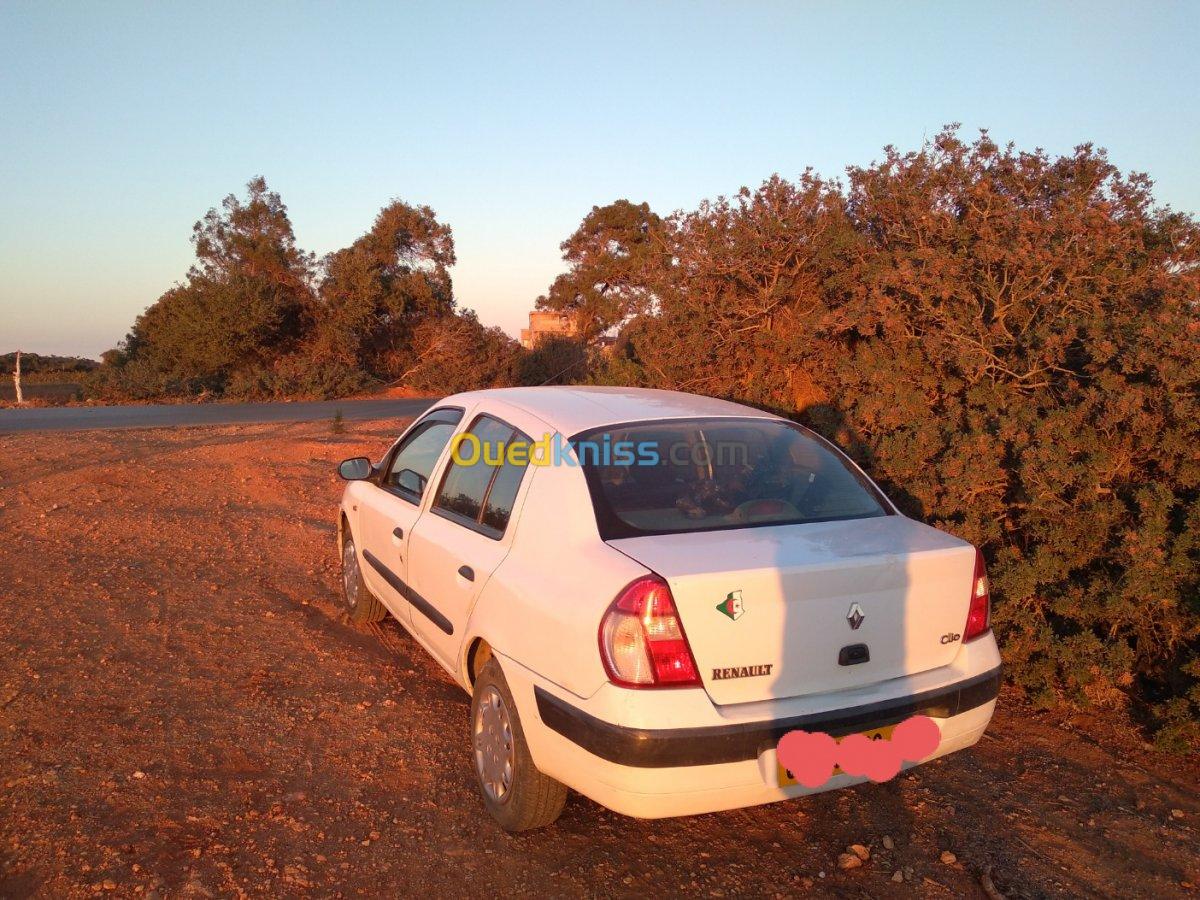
column 121, row 124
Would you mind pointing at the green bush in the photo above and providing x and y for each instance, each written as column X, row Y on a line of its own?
column 457, row 353
column 1009, row 343
column 555, row 360
column 257, row 317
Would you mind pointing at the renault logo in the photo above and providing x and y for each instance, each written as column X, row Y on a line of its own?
column 855, row 616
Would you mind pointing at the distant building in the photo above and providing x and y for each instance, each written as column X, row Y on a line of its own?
column 543, row 323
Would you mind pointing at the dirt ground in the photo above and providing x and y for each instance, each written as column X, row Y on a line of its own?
column 184, row 712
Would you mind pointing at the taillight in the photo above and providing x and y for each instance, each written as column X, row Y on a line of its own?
column 981, row 602
column 642, row 642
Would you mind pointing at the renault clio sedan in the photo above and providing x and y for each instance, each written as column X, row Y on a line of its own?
column 644, row 591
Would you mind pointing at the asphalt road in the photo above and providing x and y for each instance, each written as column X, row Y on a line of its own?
column 81, row 418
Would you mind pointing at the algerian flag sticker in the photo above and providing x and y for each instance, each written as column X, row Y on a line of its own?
column 732, row 605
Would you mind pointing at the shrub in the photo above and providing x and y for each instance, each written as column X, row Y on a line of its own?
column 456, row 353
column 257, row 317
column 555, row 360
column 1008, row 341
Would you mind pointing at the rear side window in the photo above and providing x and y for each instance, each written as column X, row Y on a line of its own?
column 710, row 474
column 498, row 508
column 412, row 463
column 479, row 487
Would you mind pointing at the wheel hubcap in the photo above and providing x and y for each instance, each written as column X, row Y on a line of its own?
column 350, row 573
column 494, row 754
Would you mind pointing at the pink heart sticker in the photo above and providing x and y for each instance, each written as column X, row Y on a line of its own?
column 808, row 756
column 917, row 737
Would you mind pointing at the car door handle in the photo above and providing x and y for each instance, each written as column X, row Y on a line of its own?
column 398, row 533
column 467, row 572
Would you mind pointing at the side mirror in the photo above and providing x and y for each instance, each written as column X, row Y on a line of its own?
column 355, row 469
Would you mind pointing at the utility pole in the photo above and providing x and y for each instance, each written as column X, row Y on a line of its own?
column 17, row 380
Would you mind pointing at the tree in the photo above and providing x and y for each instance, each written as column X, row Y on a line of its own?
column 256, row 317
column 610, row 258
column 379, row 289
column 240, row 309
column 746, row 292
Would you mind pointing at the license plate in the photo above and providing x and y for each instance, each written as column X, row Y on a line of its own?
column 876, row 734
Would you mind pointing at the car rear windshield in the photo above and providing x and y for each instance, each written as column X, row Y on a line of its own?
column 707, row 474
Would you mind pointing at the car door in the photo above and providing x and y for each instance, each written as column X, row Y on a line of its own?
column 466, row 533
column 390, row 510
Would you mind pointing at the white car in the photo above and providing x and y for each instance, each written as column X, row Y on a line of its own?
column 643, row 591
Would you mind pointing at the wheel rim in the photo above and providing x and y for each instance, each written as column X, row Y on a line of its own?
column 350, row 573
column 494, row 753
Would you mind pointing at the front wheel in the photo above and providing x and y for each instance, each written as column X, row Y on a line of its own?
column 517, row 795
column 361, row 604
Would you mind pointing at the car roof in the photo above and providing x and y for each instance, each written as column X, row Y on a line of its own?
column 572, row 409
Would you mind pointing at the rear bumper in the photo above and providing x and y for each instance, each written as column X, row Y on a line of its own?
column 668, row 747
column 652, row 754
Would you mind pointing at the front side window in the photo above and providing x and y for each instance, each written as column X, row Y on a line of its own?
column 479, row 487
column 413, row 462
column 708, row 474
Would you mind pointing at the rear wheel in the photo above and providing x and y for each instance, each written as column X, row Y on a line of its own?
column 361, row 604
column 517, row 795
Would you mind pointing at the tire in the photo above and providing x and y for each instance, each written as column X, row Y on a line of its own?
column 361, row 605
column 528, row 799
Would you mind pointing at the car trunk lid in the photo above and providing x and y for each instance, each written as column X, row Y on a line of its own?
column 768, row 610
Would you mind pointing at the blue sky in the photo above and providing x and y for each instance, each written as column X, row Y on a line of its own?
column 121, row 124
